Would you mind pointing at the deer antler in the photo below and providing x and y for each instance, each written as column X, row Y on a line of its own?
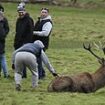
column 101, row 46
column 89, row 49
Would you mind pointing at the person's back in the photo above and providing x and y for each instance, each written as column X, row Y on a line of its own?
column 30, row 47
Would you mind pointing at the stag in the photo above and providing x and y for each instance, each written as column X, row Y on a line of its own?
column 83, row 82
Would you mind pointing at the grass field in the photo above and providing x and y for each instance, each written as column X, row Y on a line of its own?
column 72, row 27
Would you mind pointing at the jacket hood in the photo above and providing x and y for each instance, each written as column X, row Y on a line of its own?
column 38, row 42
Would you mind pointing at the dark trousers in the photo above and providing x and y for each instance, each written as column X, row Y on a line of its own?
column 24, row 73
column 0, row 66
column 41, row 71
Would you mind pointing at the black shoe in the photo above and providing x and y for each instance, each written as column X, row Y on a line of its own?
column 18, row 87
column 24, row 76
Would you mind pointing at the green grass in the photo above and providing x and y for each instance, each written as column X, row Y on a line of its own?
column 72, row 27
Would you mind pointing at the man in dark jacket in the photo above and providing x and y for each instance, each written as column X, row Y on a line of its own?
column 42, row 31
column 4, row 29
column 24, row 30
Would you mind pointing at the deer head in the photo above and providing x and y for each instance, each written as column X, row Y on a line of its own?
column 100, row 60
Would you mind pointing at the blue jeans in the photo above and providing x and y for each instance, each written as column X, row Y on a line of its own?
column 3, row 65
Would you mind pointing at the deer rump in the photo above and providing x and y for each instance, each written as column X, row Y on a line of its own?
column 79, row 83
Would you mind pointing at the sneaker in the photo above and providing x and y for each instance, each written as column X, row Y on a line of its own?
column 18, row 87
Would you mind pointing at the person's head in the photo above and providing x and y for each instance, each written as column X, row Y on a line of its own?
column 1, row 12
column 1, row 8
column 39, row 43
column 44, row 12
column 21, row 11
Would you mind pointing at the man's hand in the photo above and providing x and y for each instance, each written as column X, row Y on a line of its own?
column 13, row 66
column 55, row 74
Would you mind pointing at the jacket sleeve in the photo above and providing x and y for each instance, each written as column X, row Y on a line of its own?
column 47, row 62
column 6, row 26
column 46, row 29
column 29, row 31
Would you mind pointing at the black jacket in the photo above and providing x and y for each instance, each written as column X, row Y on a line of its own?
column 4, row 29
column 24, row 31
column 38, row 27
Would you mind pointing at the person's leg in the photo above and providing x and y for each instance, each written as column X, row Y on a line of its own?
column 4, row 66
column 41, row 70
column 33, row 66
column 34, row 79
column 19, row 66
column 24, row 73
column 18, row 78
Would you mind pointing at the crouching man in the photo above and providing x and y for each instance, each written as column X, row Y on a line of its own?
column 26, row 56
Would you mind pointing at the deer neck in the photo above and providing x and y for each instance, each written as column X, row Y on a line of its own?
column 99, row 77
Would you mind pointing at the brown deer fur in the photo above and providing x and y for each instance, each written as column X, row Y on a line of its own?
column 84, row 82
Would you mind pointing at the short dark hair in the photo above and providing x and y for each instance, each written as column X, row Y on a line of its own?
column 45, row 9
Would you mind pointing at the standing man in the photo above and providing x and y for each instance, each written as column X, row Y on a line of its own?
column 4, row 29
column 42, row 31
column 24, row 30
column 27, row 56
